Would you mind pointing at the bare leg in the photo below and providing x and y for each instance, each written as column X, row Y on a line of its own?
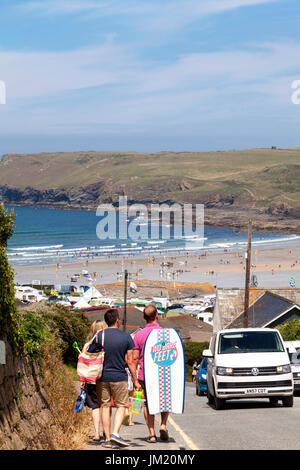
column 96, row 415
column 164, row 419
column 118, row 419
column 164, row 435
column 149, row 421
column 106, row 414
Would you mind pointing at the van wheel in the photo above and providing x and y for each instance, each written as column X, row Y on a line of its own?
column 288, row 402
column 219, row 403
column 273, row 400
column 210, row 398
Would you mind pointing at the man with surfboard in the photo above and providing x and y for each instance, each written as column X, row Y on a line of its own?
column 151, row 318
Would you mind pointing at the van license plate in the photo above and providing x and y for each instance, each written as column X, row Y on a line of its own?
column 297, row 382
column 256, row 390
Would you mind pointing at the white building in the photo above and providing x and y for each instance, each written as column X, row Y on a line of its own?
column 28, row 294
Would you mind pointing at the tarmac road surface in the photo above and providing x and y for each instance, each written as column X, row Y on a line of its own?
column 241, row 425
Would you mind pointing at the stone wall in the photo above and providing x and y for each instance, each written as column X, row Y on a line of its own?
column 26, row 421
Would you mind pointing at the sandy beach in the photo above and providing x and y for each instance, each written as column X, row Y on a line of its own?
column 273, row 267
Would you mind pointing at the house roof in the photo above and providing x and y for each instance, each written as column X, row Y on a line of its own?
column 230, row 302
column 189, row 328
column 147, row 289
column 265, row 309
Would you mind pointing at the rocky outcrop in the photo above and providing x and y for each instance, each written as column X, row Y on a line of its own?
column 59, row 196
column 221, row 210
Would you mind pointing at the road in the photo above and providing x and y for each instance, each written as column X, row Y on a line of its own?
column 241, row 425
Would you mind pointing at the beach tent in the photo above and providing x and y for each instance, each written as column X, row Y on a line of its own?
column 133, row 287
column 81, row 303
column 92, row 293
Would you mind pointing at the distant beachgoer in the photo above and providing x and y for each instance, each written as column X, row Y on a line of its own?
column 90, row 389
column 194, row 372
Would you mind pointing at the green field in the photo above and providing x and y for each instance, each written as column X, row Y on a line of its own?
column 258, row 177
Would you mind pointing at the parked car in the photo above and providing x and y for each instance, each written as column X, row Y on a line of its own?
column 248, row 363
column 293, row 348
column 201, row 382
column 175, row 306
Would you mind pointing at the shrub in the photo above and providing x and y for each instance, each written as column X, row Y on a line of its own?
column 290, row 331
column 65, row 325
column 193, row 353
column 33, row 333
column 9, row 317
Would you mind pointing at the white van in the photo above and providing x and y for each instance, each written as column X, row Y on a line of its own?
column 293, row 348
column 248, row 363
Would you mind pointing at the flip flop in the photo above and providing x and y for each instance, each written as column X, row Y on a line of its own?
column 163, row 434
column 151, row 439
column 95, row 442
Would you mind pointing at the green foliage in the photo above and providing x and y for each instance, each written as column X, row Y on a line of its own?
column 33, row 333
column 251, row 176
column 55, row 325
column 73, row 372
column 290, row 331
column 7, row 225
column 66, row 327
column 193, row 353
column 9, row 318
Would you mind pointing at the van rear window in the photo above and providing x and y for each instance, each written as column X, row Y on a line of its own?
column 250, row 342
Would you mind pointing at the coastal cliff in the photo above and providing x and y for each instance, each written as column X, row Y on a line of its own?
column 232, row 186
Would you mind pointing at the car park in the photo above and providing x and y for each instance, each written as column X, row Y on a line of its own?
column 248, row 363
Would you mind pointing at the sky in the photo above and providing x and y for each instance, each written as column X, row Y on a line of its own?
column 148, row 75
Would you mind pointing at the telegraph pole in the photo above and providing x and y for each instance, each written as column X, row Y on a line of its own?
column 125, row 300
column 247, row 281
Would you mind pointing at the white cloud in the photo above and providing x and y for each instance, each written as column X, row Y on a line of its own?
column 222, row 69
column 174, row 15
column 34, row 74
column 191, row 90
column 159, row 13
column 102, row 8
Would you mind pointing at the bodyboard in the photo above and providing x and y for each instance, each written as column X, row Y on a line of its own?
column 164, row 370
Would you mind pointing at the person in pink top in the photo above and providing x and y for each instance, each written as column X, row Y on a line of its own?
column 151, row 318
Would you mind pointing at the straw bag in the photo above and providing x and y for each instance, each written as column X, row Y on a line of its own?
column 90, row 365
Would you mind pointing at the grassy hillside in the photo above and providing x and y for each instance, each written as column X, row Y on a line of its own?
column 256, row 177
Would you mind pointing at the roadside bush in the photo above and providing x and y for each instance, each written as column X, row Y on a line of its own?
column 65, row 325
column 290, row 331
column 9, row 317
column 33, row 333
column 193, row 353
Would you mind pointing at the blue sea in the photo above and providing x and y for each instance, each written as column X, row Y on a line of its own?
column 52, row 236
